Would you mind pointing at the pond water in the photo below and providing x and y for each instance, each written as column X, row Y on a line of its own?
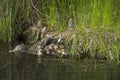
column 26, row 67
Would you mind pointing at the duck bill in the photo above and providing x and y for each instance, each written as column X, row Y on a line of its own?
column 11, row 51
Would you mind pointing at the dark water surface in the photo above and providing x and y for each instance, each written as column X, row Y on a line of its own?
column 26, row 67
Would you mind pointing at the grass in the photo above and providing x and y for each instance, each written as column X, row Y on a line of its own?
column 102, row 17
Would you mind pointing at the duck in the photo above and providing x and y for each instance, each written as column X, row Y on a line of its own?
column 21, row 48
column 49, row 46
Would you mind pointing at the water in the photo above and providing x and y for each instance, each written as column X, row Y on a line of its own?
column 26, row 67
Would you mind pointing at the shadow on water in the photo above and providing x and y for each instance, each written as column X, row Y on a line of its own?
column 26, row 67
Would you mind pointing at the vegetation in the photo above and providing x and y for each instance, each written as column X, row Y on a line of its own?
column 97, row 22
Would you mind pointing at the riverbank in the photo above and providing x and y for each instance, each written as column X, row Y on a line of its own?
column 76, row 43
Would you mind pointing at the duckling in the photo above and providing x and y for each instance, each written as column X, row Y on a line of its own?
column 54, row 54
column 55, row 47
column 43, row 32
column 63, row 52
column 51, row 46
column 46, row 50
column 58, row 51
column 39, row 51
column 61, row 46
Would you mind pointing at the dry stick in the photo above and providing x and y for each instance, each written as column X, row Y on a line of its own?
column 110, row 54
column 36, row 9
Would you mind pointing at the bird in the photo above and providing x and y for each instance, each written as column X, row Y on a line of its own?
column 43, row 31
column 21, row 48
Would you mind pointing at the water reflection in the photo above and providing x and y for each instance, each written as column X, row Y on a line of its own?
column 26, row 67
